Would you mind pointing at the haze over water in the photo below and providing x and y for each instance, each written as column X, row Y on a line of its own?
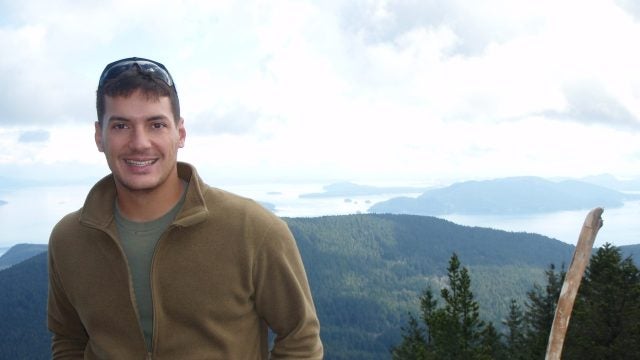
column 31, row 212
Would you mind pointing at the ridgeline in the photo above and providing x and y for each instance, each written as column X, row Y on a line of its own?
column 366, row 273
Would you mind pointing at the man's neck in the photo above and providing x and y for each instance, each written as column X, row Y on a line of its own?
column 148, row 205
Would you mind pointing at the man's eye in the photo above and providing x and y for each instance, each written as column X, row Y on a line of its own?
column 158, row 125
column 119, row 126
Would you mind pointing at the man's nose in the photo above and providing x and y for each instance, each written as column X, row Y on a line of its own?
column 139, row 139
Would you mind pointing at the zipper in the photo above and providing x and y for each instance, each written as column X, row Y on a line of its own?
column 132, row 299
column 151, row 285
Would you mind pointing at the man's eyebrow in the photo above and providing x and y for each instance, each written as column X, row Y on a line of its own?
column 117, row 118
column 150, row 118
column 157, row 117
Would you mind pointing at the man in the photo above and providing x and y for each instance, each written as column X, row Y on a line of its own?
column 157, row 264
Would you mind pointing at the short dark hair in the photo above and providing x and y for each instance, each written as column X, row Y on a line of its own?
column 133, row 78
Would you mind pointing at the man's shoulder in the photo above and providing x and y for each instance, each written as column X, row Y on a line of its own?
column 220, row 198
column 66, row 229
column 70, row 220
column 244, row 216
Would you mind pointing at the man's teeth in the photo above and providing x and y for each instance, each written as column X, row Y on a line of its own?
column 139, row 163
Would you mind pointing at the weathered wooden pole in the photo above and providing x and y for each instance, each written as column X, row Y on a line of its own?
column 581, row 256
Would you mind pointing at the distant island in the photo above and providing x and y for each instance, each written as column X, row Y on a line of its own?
column 506, row 196
column 2, row 202
column 349, row 189
column 611, row 182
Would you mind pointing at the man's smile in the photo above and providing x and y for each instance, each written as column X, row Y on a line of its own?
column 140, row 163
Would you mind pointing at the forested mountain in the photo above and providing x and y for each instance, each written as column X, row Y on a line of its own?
column 366, row 273
column 604, row 321
column 23, row 297
column 19, row 253
column 517, row 195
column 633, row 251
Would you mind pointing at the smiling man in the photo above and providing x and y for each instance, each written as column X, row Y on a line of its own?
column 159, row 265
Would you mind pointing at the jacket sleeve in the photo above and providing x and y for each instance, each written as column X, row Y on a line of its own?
column 283, row 297
column 69, row 336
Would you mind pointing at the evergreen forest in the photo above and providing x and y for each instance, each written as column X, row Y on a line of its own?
column 604, row 323
column 387, row 285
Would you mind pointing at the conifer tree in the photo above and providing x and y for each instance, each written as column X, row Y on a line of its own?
column 606, row 318
column 491, row 345
column 461, row 317
column 514, row 324
column 428, row 308
column 414, row 345
column 539, row 313
column 453, row 331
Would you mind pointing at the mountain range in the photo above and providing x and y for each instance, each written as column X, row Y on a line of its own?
column 612, row 182
column 19, row 253
column 23, row 297
column 506, row 196
column 366, row 273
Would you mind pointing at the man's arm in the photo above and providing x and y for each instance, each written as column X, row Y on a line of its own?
column 69, row 336
column 283, row 297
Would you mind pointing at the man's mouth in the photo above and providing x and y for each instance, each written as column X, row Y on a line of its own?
column 140, row 163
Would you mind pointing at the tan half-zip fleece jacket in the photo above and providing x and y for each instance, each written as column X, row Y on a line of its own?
column 224, row 271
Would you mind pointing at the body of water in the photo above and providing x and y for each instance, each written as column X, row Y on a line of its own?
column 621, row 226
column 30, row 213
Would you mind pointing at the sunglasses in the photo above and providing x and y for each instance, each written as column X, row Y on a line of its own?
column 148, row 67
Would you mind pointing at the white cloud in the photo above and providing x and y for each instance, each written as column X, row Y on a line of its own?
column 31, row 136
column 366, row 89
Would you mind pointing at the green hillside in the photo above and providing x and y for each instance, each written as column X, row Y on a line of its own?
column 23, row 297
column 366, row 272
column 19, row 253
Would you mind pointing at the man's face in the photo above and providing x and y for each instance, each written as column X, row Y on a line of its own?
column 140, row 140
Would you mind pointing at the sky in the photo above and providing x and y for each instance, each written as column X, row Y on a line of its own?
column 369, row 91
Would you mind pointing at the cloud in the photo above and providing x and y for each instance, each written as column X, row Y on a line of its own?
column 377, row 21
column 37, row 86
column 55, row 52
column 590, row 103
column 475, row 26
column 631, row 6
column 387, row 88
column 33, row 136
column 238, row 121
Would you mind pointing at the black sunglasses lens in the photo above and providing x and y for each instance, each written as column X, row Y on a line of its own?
column 146, row 67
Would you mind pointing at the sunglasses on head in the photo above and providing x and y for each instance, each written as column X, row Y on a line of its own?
column 148, row 67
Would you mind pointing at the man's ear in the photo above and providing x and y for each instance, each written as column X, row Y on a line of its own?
column 98, row 136
column 182, row 132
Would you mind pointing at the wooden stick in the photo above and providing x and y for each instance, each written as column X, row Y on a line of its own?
column 581, row 256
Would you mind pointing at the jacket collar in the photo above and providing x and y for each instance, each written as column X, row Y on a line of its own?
column 99, row 205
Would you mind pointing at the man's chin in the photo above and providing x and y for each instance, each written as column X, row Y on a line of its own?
column 138, row 185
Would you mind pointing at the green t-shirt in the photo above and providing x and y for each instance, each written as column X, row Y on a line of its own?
column 138, row 240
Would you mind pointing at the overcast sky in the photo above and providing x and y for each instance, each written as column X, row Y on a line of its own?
column 409, row 91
